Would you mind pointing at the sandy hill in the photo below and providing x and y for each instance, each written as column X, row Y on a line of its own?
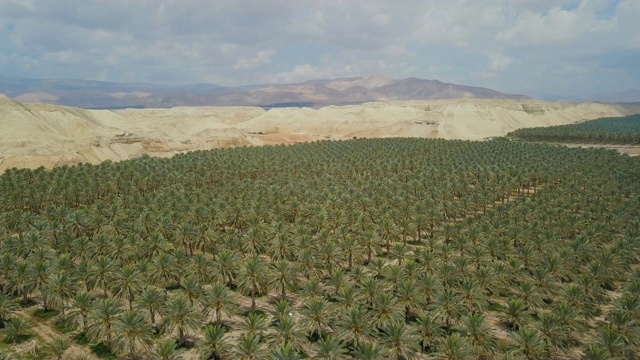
column 33, row 135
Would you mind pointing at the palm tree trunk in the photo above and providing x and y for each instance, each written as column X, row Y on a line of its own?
column 253, row 299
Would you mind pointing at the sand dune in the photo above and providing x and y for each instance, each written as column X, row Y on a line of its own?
column 33, row 135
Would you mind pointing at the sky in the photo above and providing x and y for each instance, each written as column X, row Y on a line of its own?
column 541, row 48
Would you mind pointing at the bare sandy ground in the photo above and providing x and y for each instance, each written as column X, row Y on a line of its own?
column 33, row 135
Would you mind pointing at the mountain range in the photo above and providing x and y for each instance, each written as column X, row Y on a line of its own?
column 109, row 95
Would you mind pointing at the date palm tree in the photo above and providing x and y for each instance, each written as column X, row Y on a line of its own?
column 102, row 273
column 401, row 340
column 166, row 349
column 553, row 334
column 330, row 348
column 479, row 335
column 311, row 288
column 515, row 315
column 430, row 332
column 287, row 332
column 163, row 270
column 253, row 278
column 351, row 248
column 386, row 310
column 249, row 347
column 528, row 343
column 132, row 333
column 408, row 297
column 58, row 346
column 370, row 241
column 60, row 288
column 152, row 300
column 127, row 283
column 447, row 307
column 226, row 266
column 369, row 351
column 355, row 326
column 285, row 351
column 191, row 288
column 329, row 256
column 181, row 316
column 101, row 320
column 596, row 352
column 20, row 280
column 7, row 308
column 317, row 317
column 221, row 300
column 530, row 295
column 369, row 289
column 17, row 329
column 80, row 308
column 306, row 264
column 39, row 276
column 455, row 347
column 253, row 243
column 215, row 344
column 254, row 323
column 283, row 277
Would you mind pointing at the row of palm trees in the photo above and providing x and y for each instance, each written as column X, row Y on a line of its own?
column 620, row 130
column 388, row 248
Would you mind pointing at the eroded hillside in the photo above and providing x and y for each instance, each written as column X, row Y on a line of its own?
column 34, row 135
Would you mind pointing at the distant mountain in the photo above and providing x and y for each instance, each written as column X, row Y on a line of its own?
column 629, row 96
column 99, row 94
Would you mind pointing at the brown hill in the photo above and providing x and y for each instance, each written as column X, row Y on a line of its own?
column 95, row 94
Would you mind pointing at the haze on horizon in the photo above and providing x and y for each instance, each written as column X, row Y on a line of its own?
column 542, row 48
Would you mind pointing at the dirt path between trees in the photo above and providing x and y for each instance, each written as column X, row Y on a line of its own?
column 48, row 334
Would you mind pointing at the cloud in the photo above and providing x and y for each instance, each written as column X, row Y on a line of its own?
column 260, row 59
column 306, row 71
column 559, row 25
column 502, row 44
column 498, row 61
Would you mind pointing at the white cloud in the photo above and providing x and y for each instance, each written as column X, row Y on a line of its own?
column 505, row 44
column 306, row 72
column 260, row 59
column 498, row 61
column 557, row 25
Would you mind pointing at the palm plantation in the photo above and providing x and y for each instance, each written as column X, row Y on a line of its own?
column 371, row 249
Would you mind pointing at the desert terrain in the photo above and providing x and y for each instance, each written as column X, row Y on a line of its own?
column 48, row 135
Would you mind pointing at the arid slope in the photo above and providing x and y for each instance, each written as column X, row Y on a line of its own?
column 33, row 135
